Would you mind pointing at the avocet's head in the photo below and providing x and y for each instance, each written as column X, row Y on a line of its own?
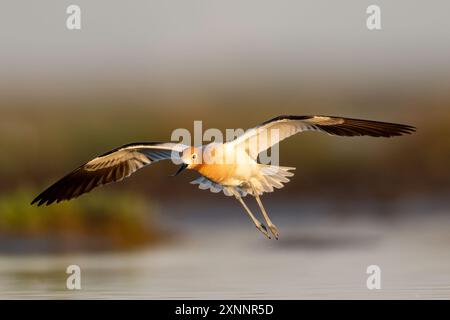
column 191, row 158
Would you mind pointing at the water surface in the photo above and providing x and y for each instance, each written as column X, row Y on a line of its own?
column 214, row 258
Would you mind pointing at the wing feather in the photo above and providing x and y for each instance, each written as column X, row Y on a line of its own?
column 271, row 132
column 112, row 166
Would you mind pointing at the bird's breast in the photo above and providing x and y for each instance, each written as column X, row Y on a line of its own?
column 226, row 165
column 220, row 173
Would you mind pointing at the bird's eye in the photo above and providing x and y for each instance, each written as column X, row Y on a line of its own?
column 194, row 156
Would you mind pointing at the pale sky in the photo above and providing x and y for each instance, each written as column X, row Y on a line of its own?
column 185, row 41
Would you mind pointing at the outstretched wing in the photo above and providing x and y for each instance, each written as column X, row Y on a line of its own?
column 271, row 132
column 112, row 166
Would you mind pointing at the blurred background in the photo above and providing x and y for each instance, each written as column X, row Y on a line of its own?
column 138, row 70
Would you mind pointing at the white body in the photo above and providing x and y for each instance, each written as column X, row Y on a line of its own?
column 244, row 174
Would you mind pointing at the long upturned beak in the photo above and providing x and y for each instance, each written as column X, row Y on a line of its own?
column 180, row 169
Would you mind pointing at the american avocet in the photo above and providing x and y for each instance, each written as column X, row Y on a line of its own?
column 241, row 175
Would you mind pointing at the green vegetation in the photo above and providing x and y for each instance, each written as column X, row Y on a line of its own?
column 100, row 222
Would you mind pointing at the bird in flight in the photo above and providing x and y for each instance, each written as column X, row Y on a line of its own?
column 232, row 167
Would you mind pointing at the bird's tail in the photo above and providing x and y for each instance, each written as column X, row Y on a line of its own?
column 272, row 177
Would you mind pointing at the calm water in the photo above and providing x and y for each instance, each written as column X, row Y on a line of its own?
column 320, row 257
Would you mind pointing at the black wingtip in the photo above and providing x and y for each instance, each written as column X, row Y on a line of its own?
column 37, row 201
column 34, row 201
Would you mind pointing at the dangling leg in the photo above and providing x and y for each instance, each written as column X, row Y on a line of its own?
column 273, row 228
column 257, row 223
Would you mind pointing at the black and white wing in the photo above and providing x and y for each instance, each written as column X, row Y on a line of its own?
column 112, row 166
column 271, row 132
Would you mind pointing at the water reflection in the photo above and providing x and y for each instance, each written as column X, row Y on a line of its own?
column 315, row 258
